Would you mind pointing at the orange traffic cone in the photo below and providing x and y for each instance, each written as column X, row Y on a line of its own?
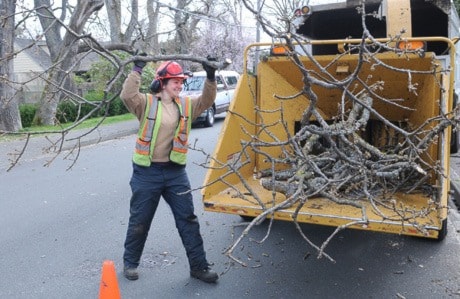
column 109, row 284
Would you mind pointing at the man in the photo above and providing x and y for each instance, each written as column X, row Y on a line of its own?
column 159, row 162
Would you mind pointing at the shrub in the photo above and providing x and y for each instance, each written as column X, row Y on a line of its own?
column 27, row 112
column 66, row 112
column 94, row 95
column 117, row 107
column 69, row 111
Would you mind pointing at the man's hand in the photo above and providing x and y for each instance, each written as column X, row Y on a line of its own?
column 210, row 71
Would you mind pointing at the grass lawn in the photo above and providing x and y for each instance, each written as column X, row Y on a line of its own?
column 86, row 124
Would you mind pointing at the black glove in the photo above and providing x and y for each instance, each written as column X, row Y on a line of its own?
column 210, row 71
column 140, row 63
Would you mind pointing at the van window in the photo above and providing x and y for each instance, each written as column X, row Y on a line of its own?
column 194, row 83
column 231, row 80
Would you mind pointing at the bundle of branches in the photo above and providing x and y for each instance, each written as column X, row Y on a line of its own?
column 336, row 162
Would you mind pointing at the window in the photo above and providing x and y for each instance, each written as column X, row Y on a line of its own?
column 231, row 80
column 194, row 83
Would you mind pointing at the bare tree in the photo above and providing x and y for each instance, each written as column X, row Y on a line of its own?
column 139, row 35
column 185, row 25
column 222, row 35
column 67, row 53
column 114, row 12
column 62, row 51
column 151, row 38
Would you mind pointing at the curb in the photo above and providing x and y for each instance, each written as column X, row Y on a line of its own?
column 104, row 133
column 39, row 146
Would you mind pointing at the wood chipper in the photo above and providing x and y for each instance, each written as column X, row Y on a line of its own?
column 344, row 129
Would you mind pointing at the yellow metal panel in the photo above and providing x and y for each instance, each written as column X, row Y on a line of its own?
column 238, row 123
column 396, row 84
column 276, row 80
column 444, row 146
column 325, row 212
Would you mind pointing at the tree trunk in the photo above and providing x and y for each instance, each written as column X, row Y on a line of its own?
column 133, row 22
column 63, row 53
column 10, row 119
column 113, row 8
column 151, row 40
column 180, row 21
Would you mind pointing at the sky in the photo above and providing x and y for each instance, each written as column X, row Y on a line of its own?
column 250, row 24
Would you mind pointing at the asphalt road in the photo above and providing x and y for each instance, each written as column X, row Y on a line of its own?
column 59, row 225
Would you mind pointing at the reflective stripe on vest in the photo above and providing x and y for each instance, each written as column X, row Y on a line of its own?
column 148, row 132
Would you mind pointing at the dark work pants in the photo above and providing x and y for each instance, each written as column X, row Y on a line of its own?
column 148, row 184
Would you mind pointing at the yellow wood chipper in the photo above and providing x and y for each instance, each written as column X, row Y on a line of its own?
column 412, row 62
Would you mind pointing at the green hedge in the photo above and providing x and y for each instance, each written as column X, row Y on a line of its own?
column 69, row 111
column 27, row 112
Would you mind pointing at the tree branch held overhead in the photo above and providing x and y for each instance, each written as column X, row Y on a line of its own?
column 70, row 41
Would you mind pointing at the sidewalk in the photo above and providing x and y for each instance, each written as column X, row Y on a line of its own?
column 39, row 146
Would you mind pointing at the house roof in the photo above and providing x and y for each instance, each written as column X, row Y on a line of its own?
column 87, row 60
column 37, row 52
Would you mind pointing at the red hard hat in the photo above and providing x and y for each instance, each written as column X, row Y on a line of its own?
column 170, row 69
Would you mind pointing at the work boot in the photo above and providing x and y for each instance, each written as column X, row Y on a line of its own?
column 206, row 275
column 131, row 273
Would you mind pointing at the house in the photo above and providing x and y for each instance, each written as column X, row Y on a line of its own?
column 31, row 64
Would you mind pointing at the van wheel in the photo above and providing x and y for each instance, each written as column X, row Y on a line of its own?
column 209, row 121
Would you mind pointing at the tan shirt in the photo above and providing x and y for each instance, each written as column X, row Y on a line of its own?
column 136, row 103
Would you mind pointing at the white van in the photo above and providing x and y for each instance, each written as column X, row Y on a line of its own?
column 226, row 83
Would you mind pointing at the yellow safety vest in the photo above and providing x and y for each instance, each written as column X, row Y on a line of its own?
column 148, row 132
